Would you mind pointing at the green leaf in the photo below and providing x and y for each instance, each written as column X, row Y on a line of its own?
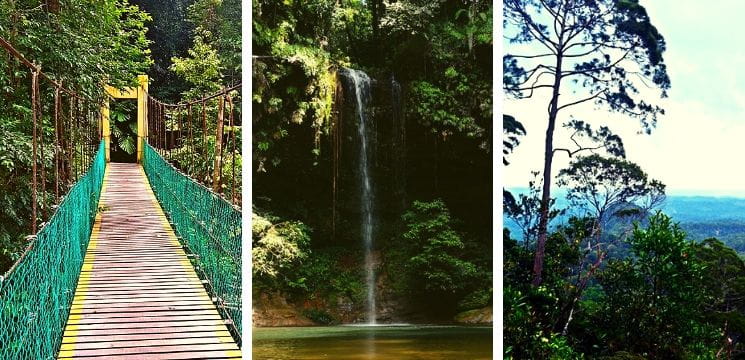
column 127, row 144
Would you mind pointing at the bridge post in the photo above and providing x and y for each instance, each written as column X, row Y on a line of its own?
column 141, row 116
column 106, row 129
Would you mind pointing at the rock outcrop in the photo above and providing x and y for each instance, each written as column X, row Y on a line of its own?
column 272, row 310
column 483, row 316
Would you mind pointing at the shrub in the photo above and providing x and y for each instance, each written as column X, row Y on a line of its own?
column 320, row 317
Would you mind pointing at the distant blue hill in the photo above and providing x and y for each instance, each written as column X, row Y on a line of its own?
column 704, row 208
column 701, row 216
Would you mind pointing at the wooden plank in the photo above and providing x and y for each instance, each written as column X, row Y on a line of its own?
column 140, row 299
column 222, row 348
column 138, row 295
column 150, row 336
column 124, row 285
column 149, row 325
column 148, row 313
column 170, row 330
column 165, row 356
column 161, row 289
column 144, row 275
column 147, row 320
column 109, row 343
column 151, row 255
column 142, row 304
column 151, row 308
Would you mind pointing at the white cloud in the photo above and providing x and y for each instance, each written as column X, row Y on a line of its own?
column 692, row 148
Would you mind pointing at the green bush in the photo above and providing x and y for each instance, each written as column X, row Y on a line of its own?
column 279, row 247
column 320, row 317
column 476, row 299
column 283, row 260
column 434, row 262
column 326, row 277
column 524, row 338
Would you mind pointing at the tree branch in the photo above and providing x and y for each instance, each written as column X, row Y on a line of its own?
column 594, row 43
column 554, row 14
column 531, row 88
column 531, row 26
column 531, row 56
column 587, row 24
column 571, row 153
column 529, row 74
column 598, row 69
column 583, row 100
column 582, row 54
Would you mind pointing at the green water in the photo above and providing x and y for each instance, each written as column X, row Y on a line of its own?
column 380, row 342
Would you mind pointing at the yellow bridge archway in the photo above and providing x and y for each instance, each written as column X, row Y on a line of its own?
column 140, row 94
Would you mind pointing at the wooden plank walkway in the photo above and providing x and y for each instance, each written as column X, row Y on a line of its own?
column 138, row 296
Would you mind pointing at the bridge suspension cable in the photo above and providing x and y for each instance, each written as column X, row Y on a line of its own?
column 76, row 121
column 203, row 150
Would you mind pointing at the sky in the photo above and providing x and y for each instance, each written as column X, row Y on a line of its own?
column 698, row 146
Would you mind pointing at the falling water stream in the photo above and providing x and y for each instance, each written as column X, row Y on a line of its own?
column 363, row 341
column 361, row 83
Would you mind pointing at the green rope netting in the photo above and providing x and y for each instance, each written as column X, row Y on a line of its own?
column 208, row 225
column 35, row 295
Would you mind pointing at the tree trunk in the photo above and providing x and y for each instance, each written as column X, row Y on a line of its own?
column 53, row 6
column 580, row 288
column 547, row 162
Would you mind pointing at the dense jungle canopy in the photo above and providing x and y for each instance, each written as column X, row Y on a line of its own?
column 188, row 48
column 430, row 108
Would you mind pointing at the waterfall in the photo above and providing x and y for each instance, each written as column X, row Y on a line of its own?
column 361, row 85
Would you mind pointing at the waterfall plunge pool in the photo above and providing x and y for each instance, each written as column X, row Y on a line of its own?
column 398, row 341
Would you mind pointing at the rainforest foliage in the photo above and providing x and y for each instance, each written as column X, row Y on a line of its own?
column 196, row 46
column 613, row 277
column 196, row 50
column 87, row 44
column 665, row 297
column 212, row 62
column 430, row 64
column 83, row 45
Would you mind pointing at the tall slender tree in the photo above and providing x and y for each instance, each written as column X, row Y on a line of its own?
column 606, row 188
column 599, row 51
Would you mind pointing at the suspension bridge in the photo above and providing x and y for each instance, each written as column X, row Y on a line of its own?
column 137, row 260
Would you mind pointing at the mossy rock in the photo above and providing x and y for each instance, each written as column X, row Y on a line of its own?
column 481, row 316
